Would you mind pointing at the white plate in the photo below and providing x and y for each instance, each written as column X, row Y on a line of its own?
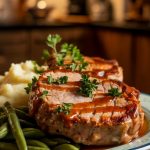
column 142, row 143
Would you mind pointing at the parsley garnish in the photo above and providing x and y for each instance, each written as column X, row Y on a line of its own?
column 60, row 60
column 72, row 66
column 71, row 51
column 50, row 79
column 44, row 93
column 45, row 55
column 78, row 67
column 83, row 66
column 87, row 86
column 114, row 92
column 65, row 108
column 37, row 68
column 52, row 40
column 66, row 51
column 30, row 85
column 61, row 80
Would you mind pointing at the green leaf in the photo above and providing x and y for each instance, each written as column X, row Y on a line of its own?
column 44, row 93
column 87, row 86
column 114, row 92
column 60, row 59
column 72, row 51
column 45, row 55
column 28, row 88
column 72, row 66
column 30, row 85
column 52, row 40
column 83, row 66
column 50, row 79
column 65, row 108
column 37, row 68
column 61, row 80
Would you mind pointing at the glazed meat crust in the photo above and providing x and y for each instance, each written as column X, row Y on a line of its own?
column 98, row 67
column 100, row 120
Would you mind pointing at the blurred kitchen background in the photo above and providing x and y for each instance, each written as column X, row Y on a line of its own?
column 112, row 29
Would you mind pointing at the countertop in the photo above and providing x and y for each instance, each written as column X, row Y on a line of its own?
column 140, row 27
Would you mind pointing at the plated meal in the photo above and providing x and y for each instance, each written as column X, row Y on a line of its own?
column 70, row 102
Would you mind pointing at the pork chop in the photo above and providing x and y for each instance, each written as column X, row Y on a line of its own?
column 103, row 119
column 96, row 67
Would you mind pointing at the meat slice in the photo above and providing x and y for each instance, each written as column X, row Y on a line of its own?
column 100, row 120
column 99, row 67
column 104, row 68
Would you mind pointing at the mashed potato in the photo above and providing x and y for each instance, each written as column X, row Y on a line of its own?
column 14, row 81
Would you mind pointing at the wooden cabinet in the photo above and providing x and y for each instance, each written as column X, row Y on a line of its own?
column 131, row 50
column 118, row 46
column 142, row 71
column 13, row 48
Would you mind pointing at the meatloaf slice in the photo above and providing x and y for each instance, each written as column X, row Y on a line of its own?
column 100, row 120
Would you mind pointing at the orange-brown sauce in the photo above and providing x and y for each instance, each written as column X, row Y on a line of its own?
column 144, row 128
column 142, row 132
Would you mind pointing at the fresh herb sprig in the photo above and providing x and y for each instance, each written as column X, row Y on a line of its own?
column 83, row 66
column 67, row 51
column 65, row 108
column 61, row 80
column 114, row 92
column 43, row 94
column 77, row 67
column 87, row 86
column 45, row 55
column 30, row 85
column 53, row 40
column 37, row 68
column 72, row 52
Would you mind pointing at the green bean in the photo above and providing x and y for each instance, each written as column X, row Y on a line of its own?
column 33, row 133
column 25, row 123
column 37, row 148
column 61, row 140
column 49, row 142
column 8, row 146
column 9, row 137
column 15, row 126
column 29, row 133
column 3, row 130
column 11, row 146
column 66, row 147
column 23, row 108
column 36, row 143
column 1, row 110
column 22, row 115
column 3, row 119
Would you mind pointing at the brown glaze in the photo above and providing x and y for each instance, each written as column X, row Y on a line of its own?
column 144, row 129
column 96, row 105
column 100, row 111
column 128, row 92
column 96, row 102
column 58, row 87
column 112, row 67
